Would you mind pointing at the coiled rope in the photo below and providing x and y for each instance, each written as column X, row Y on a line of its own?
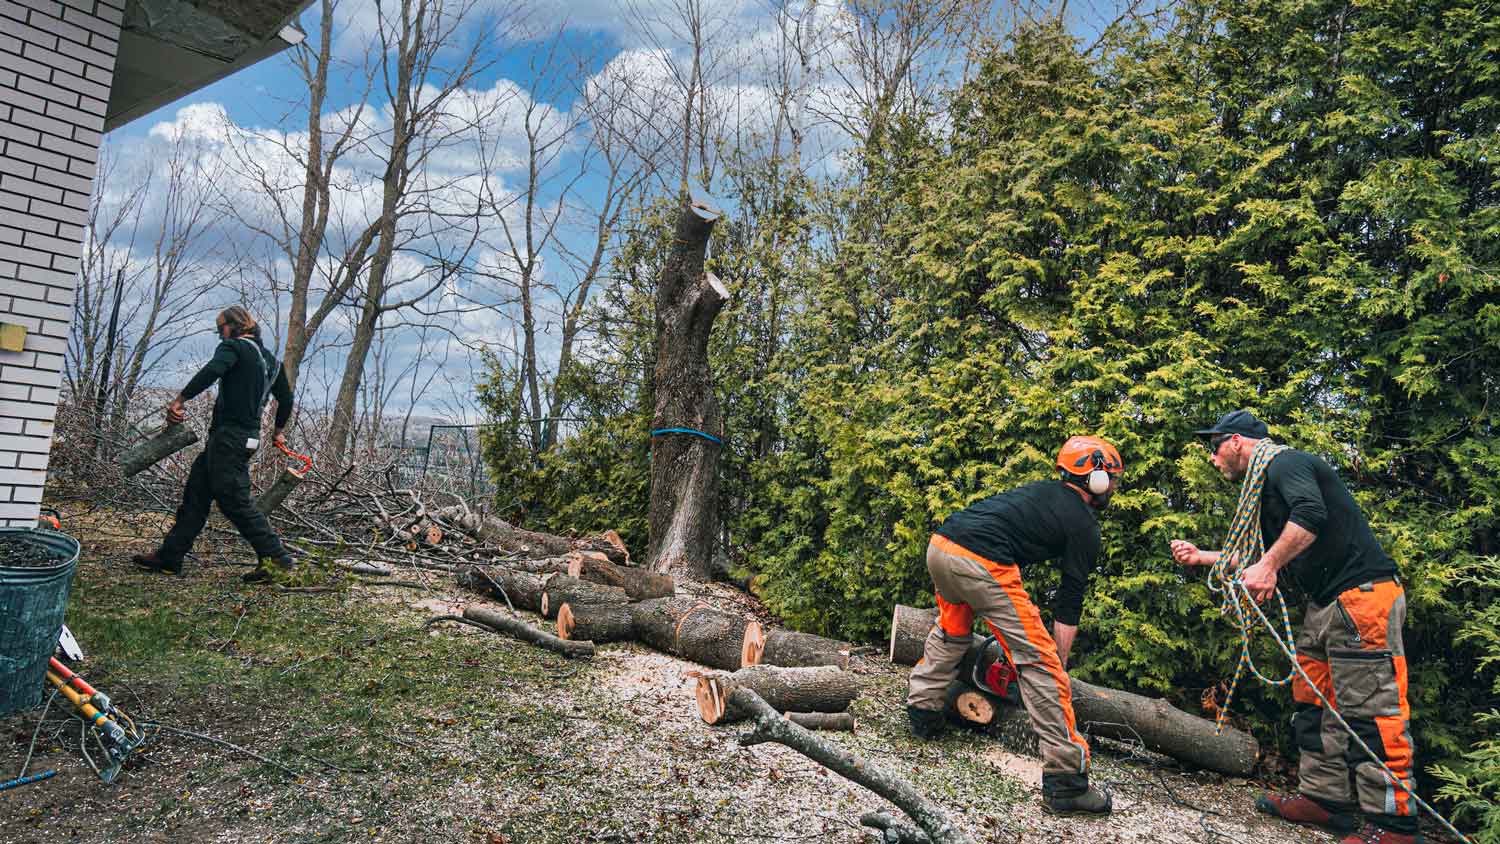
column 1245, row 543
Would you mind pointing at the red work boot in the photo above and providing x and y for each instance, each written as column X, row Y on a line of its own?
column 1372, row 834
column 1306, row 811
column 151, row 562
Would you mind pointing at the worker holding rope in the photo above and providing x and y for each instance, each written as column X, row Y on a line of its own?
column 248, row 375
column 1294, row 514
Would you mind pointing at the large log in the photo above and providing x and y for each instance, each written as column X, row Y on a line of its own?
column 638, row 583
column 692, row 630
column 791, row 649
column 497, row 531
column 770, row 726
column 522, row 589
column 1155, row 723
column 169, row 441
column 607, row 543
column 821, row 688
column 562, row 589
column 514, row 627
column 909, row 629
column 596, row 623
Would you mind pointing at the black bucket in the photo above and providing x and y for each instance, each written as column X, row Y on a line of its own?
column 32, row 602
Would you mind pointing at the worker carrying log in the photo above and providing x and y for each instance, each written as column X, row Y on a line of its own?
column 248, row 375
column 975, row 559
column 1298, row 517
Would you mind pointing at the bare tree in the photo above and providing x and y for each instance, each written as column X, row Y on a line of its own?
column 426, row 227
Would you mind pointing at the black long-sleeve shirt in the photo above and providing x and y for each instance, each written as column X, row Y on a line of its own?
column 1045, row 520
column 240, row 366
column 1306, row 491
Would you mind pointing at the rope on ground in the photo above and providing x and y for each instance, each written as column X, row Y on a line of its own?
column 1137, row 754
column 160, row 727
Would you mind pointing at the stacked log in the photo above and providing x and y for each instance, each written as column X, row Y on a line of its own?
column 520, row 589
column 691, row 629
column 816, row 689
column 497, row 531
column 562, row 589
column 639, row 584
column 791, row 649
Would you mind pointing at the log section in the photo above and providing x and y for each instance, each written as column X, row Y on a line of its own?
column 562, row 589
column 692, row 630
column 821, row 688
column 909, row 629
column 639, row 584
column 596, row 623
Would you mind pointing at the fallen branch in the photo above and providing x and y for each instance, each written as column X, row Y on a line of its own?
column 519, row 629
column 828, row 721
column 769, row 726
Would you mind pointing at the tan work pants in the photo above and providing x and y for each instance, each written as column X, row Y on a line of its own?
column 968, row 585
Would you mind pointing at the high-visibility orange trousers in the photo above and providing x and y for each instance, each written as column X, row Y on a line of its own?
column 1352, row 651
column 968, row 585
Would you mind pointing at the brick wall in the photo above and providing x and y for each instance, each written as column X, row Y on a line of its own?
column 56, row 64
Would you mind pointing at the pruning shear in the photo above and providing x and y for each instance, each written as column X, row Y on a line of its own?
column 100, row 713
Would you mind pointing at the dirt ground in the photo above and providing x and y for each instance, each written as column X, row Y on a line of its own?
column 399, row 732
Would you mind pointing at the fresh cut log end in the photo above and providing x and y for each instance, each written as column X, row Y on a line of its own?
column 710, row 695
column 754, row 646
column 975, row 707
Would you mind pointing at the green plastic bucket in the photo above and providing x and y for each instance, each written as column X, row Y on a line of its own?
column 32, row 602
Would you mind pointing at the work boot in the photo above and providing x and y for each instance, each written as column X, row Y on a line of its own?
column 267, row 570
column 152, row 562
column 1304, row 810
column 1372, row 833
column 1071, row 794
column 927, row 724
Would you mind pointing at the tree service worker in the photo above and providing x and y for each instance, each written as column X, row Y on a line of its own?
column 975, row 560
column 1349, row 644
column 247, row 374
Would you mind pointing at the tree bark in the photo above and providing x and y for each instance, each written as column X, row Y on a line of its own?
column 169, row 441
column 909, row 629
column 562, row 589
column 524, row 590
column 497, row 531
column 692, row 630
column 830, row 721
column 770, row 726
column 519, row 629
column 276, row 494
column 685, row 466
column 792, row 649
column 596, row 622
column 638, row 583
column 817, row 689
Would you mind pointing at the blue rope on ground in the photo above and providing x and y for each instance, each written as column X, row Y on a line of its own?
column 24, row 780
column 710, row 437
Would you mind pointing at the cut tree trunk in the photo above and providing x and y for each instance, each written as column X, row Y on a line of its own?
column 562, row 589
column 638, row 583
column 1155, row 723
column 685, row 466
column 273, row 497
column 909, row 629
column 972, row 705
column 168, row 441
column 607, row 543
column 523, row 589
column 692, row 630
column 596, row 623
column 821, row 688
column 770, row 726
column 497, row 531
column 791, row 649
column 516, row 628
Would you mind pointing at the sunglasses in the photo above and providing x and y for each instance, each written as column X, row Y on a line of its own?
column 1216, row 441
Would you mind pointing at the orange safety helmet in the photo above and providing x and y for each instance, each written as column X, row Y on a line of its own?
column 1090, row 461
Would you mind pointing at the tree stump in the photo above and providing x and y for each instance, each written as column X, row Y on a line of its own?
column 169, row 441
column 821, row 688
column 561, row 589
column 638, row 583
column 684, row 465
column 692, row 630
column 597, row 623
column 909, row 629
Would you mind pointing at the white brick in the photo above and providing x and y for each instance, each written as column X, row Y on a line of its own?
column 22, row 255
column 15, row 392
column 55, row 210
column 41, row 309
column 27, row 410
column 51, row 363
column 21, row 515
column 26, row 359
column 38, row 427
column 54, row 328
column 32, row 461
column 55, row 245
column 50, row 278
column 31, row 323
column 10, row 426
column 30, row 494
column 26, row 445
column 22, row 477
column 30, row 377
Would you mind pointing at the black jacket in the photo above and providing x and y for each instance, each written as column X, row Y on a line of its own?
column 241, row 367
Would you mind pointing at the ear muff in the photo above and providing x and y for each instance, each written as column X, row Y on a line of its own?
column 1098, row 481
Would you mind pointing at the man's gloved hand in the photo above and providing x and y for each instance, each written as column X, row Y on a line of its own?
column 176, row 412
